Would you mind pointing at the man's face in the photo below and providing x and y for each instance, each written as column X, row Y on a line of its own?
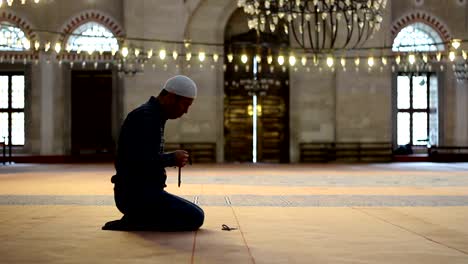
column 180, row 106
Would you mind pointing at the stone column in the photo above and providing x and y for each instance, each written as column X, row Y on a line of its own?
column 461, row 134
column 49, row 83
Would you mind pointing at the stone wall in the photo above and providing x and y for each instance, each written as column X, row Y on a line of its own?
column 325, row 106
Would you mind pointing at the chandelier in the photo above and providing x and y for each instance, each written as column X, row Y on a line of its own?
column 461, row 71
column 317, row 24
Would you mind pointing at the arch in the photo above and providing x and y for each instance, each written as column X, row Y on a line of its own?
column 90, row 16
column 22, row 23
column 421, row 36
column 210, row 30
column 106, row 40
column 424, row 17
column 207, row 23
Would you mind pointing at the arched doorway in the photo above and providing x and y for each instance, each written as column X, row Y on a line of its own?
column 249, row 60
column 92, row 96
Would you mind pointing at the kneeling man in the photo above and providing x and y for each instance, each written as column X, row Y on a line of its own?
column 140, row 165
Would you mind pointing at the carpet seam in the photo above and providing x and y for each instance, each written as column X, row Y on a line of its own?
column 242, row 234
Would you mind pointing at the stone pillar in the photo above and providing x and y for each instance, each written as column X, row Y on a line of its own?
column 51, row 115
column 448, row 116
column 461, row 134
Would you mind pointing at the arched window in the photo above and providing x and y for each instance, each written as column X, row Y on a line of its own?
column 417, row 92
column 92, row 36
column 418, row 37
column 12, row 38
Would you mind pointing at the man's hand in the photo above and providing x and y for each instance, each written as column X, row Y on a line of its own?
column 181, row 157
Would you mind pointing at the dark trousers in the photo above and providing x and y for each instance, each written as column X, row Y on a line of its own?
column 149, row 209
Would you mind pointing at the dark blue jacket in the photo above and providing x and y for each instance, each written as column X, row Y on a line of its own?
column 140, row 158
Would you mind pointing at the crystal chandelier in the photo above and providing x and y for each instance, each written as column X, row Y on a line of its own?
column 317, row 24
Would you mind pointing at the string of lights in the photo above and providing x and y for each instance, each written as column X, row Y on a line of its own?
column 134, row 53
column 10, row 2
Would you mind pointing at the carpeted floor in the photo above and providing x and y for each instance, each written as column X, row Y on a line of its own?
column 360, row 213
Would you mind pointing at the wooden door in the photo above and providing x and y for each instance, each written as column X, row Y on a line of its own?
column 91, row 113
column 273, row 119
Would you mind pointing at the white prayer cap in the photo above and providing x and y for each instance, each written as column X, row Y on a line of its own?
column 181, row 85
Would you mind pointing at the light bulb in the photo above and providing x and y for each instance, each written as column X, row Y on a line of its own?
column 292, row 60
column 330, row 61
column 452, row 55
column 188, row 56
column 411, row 59
column 272, row 27
column 464, row 55
column 304, row 60
column 425, row 58
column 150, row 53
column 175, row 55
column 456, row 43
column 357, row 61
column 280, row 59
column 244, row 58
column 343, row 62
column 58, row 47
column 439, row 56
column 215, row 57
column 269, row 59
column 398, row 59
column 47, row 46
column 258, row 58
column 137, row 52
column 384, row 60
column 201, row 56
column 124, row 52
column 162, row 54
column 230, row 57
column 370, row 61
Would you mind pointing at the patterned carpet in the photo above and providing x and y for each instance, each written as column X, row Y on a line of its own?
column 332, row 213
